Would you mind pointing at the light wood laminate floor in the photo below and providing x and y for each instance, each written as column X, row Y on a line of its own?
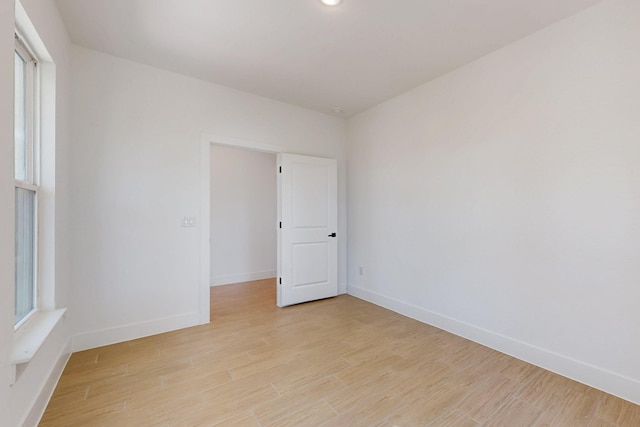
column 336, row 362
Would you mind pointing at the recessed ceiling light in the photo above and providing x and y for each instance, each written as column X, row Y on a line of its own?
column 336, row 110
column 331, row 2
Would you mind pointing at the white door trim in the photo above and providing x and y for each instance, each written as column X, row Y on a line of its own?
column 206, row 141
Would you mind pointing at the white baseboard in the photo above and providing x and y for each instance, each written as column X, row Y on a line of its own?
column 244, row 277
column 593, row 376
column 133, row 331
column 37, row 410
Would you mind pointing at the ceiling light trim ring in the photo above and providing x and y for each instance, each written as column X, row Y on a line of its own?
column 331, row 2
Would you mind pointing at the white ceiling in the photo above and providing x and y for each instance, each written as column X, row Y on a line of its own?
column 304, row 53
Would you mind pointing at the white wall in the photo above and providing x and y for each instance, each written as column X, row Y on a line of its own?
column 243, row 215
column 24, row 402
column 502, row 201
column 135, row 162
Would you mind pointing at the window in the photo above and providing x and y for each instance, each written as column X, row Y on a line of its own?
column 26, row 170
column 36, row 311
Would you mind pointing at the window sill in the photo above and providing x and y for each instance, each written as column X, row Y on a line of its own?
column 30, row 337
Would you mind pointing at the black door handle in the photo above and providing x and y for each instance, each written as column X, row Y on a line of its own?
column 332, row 235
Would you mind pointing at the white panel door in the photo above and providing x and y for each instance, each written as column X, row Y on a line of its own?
column 307, row 240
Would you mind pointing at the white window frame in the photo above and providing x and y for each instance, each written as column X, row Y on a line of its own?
column 32, row 172
column 31, row 334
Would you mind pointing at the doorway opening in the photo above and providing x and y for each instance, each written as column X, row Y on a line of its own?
column 237, row 243
column 243, row 233
column 306, row 240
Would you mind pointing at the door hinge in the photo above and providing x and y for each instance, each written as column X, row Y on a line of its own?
column 281, row 280
column 280, row 224
column 280, row 169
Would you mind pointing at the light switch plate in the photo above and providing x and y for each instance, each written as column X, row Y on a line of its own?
column 189, row 221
